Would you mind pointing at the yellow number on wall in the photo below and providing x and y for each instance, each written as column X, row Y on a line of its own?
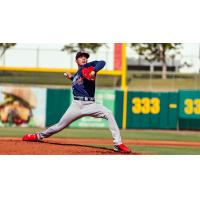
column 136, row 108
column 188, row 106
column 155, row 108
column 145, row 105
column 197, row 106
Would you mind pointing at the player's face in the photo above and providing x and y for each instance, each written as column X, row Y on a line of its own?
column 81, row 61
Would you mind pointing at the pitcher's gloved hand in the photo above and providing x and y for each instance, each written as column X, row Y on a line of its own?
column 89, row 73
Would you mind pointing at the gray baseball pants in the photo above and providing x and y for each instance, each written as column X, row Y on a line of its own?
column 80, row 109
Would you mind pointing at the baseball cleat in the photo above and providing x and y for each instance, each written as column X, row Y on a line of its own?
column 31, row 137
column 122, row 148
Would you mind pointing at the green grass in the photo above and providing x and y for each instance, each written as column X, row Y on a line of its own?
column 105, row 133
column 136, row 80
column 51, row 79
column 165, row 85
column 154, row 150
column 166, row 150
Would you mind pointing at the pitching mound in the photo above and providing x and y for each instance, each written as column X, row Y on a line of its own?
column 55, row 146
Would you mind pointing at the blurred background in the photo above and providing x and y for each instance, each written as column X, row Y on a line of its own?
column 162, row 80
column 150, row 66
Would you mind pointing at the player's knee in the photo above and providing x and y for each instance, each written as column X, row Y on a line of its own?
column 109, row 113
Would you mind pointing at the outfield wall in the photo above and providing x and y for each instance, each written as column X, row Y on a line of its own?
column 152, row 110
column 164, row 110
column 189, row 109
column 145, row 110
column 43, row 107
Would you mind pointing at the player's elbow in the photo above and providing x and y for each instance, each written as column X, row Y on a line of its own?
column 102, row 63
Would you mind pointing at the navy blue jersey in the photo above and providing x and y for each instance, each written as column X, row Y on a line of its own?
column 82, row 87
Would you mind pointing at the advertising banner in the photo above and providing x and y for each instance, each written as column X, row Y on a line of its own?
column 22, row 106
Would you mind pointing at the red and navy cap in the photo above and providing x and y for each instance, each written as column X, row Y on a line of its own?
column 82, row 53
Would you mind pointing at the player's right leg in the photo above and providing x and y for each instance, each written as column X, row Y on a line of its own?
column 99, row 111
column 72, row 113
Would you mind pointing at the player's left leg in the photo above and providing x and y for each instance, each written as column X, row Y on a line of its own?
column 72, row 113
column 99, row 111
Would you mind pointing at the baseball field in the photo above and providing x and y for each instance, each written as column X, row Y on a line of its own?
column 99, row 142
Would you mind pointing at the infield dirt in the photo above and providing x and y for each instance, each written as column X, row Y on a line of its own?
column 77, row 146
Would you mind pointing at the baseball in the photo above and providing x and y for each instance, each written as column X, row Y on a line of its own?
column 65, row 74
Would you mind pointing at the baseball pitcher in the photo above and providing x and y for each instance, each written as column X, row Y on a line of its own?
column 83, row 87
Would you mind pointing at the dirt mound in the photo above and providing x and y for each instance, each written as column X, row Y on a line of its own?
column 15, row 146
column 79, row 146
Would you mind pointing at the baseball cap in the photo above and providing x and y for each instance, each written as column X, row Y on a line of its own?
column 82, row 53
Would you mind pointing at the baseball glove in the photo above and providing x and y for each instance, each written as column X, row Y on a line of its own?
column 86, row 72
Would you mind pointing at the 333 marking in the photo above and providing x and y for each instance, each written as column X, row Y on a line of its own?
column 192, row 106
column 145, row 105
